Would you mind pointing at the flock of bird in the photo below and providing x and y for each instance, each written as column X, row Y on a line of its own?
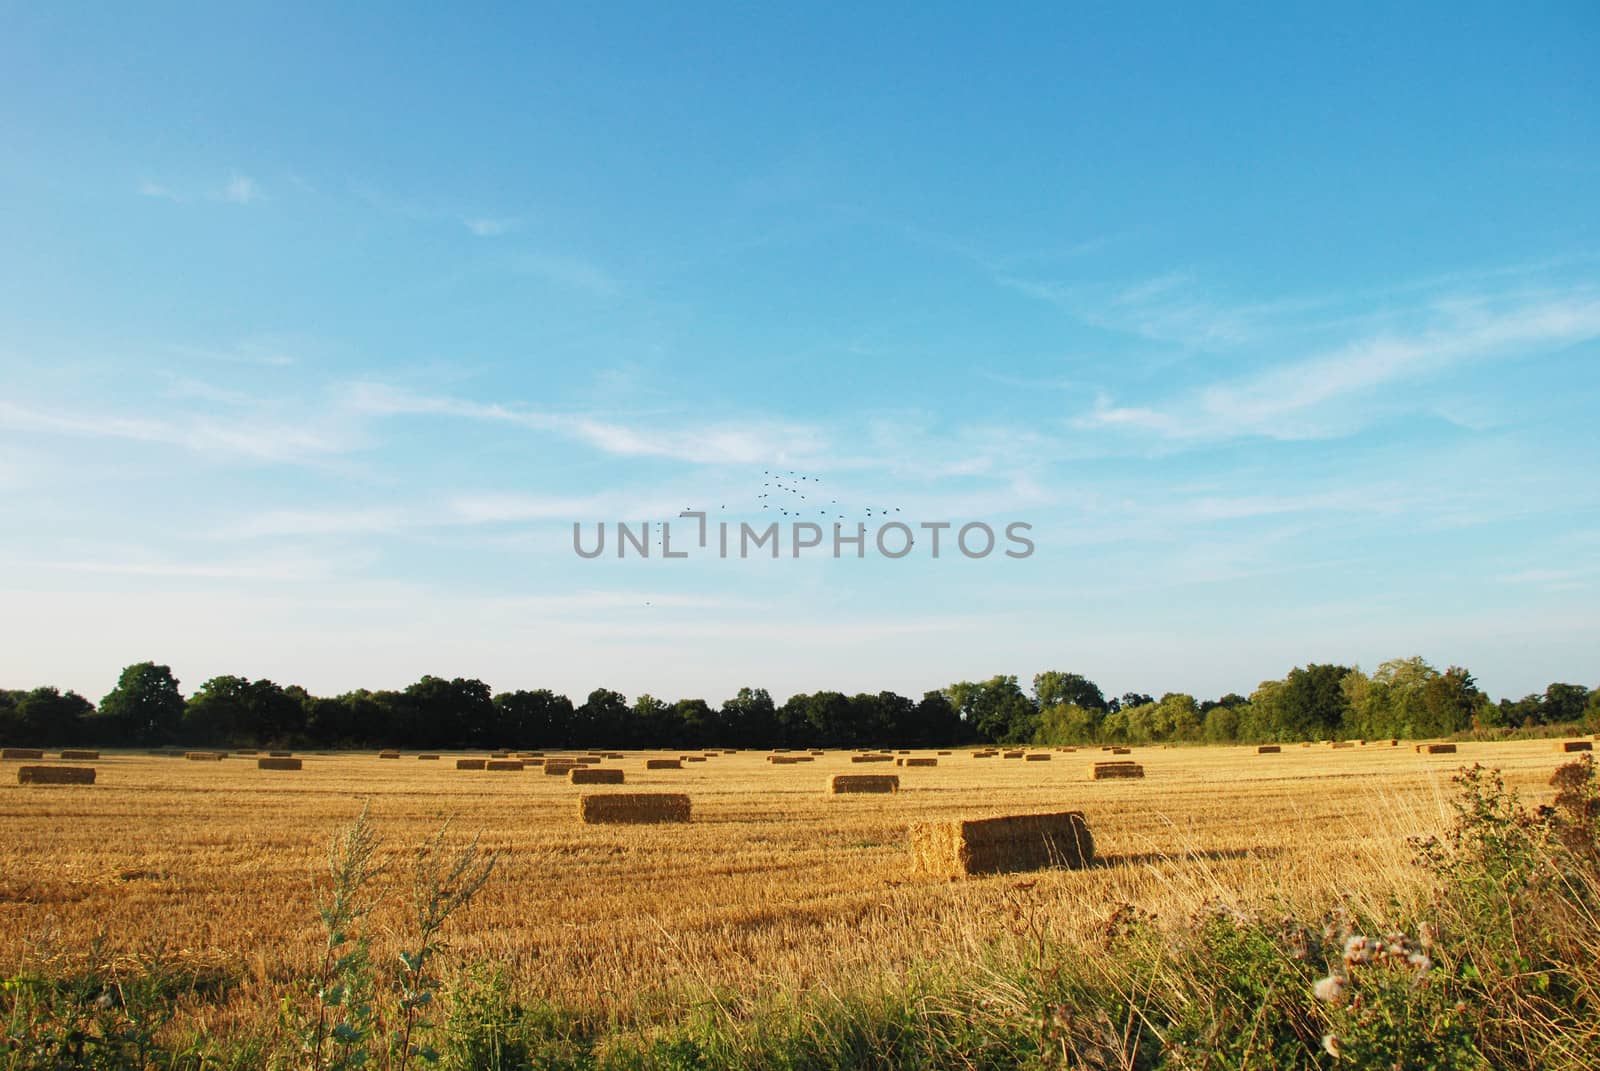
column 798, row 495
column 795, row 494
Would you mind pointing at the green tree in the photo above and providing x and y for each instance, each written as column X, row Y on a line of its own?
column 1312, row 705
column 1053, row 688
column 1565, row 703
column 1066, row 723
column 749, row 719
column 46, row 716
column 233, row 710
column 1221, row 725
column 601, row 720
column 146, row 704
column 936, row 721
column 996, row 709
column 539, row 718
column 694, row 723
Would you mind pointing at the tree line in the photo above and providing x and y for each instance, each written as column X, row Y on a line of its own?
column 1401, row 698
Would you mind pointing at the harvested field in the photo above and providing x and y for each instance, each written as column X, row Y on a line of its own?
column 1000, row 845
column 772, row 884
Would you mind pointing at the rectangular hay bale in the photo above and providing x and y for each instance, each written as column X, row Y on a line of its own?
column 503, row 764
column 1269, row 749
column 270, row 762
column 589, row 775
column 470, row 764
column 1037, row 756
column 1437, row 749
column 205, row 756
column 1104, row 771
column 21, row 753
column 55, row 775
column 921, row 762
column 840, row 784
column 555, row 768
column 1576, row 745
column 871, row 758
column 72, row 754
column 633, row 807
column 665, row 764
column 1002, row 845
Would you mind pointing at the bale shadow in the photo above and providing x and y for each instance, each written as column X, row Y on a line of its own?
column 1214, row 855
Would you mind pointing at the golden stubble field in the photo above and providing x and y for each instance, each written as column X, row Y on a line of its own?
column 774, row 885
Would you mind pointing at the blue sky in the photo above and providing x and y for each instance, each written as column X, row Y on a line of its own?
column 319, row 331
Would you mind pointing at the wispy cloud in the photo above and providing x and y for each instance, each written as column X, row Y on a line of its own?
column 1170, row 308
column 491, row 227
column 157, row 190
column 461, row 511
column 569, row 272
column 241, row 190
column 248, row 439
column 274, row 569
column 263, row 352
column 705, row 443
column 1300, row 399
column 318, row 522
